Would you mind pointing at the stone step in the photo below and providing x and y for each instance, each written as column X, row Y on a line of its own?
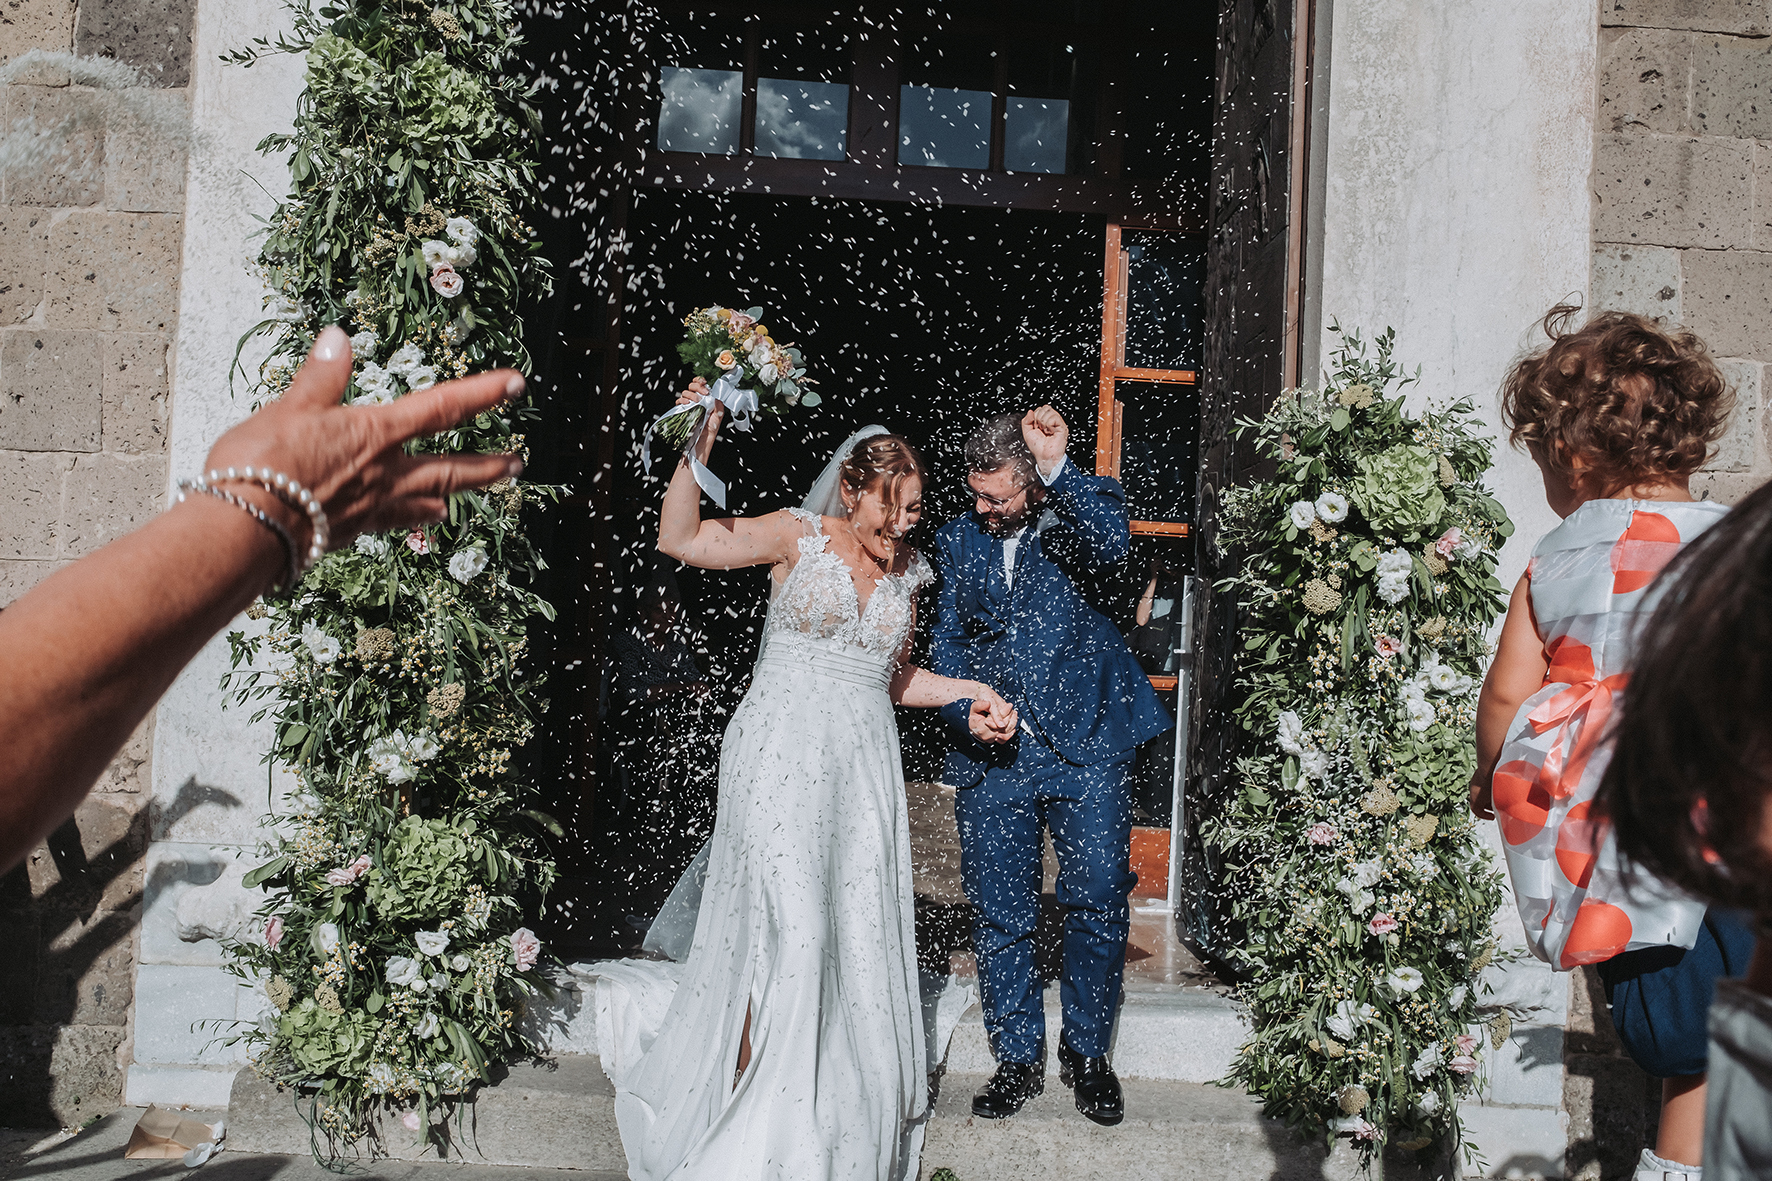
column 1182, row 1035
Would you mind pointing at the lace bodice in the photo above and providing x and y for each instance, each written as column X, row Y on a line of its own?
column 818, row 598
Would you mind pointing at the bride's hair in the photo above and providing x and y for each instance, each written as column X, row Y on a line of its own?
column 882, row 462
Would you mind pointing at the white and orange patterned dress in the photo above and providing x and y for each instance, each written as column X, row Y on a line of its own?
column 1590, row 584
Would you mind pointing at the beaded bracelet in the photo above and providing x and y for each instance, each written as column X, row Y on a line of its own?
column 290, row 492
column 185, row 487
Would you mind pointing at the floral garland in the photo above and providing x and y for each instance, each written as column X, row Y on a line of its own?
column 393, row 957
column 1364, row 896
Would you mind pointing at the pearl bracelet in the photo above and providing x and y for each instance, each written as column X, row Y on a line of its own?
column 284, row 488
column 186, row 487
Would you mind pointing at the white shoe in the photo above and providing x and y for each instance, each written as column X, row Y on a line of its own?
column 1652, row 1168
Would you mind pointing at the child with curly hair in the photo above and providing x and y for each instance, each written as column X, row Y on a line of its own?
column 1618, row 415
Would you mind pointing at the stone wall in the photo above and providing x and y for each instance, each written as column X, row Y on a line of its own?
column 91, row 231
column 1682, row 193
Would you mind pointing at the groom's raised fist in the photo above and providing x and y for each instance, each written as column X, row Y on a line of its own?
column 1046, row 433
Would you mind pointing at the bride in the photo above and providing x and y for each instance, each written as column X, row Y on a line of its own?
column 789, row 1044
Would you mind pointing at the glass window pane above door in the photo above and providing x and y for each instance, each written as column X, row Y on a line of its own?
column 940, row 128
column 700, row 110
column 1165, row 274
column 1035, row 132
column 801, row 120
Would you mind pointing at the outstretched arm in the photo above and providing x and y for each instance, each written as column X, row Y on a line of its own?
column 989, row 717
column 729, row 542
column 1094, row 505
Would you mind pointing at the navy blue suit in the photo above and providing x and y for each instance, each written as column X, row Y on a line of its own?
column 1085, row 705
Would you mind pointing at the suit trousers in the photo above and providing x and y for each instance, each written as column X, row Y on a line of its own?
column 1088, row 810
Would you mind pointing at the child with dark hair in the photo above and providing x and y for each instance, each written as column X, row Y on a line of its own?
column 1687, row 792
column 1618, row 416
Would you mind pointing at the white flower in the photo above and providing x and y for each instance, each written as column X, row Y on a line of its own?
column 1415, row 688
column 1367, row 873
column 431, row 942
column 439, row 981
column 436, row 253
column 391, row 755
column 404, row 970
column 405, row 359
column 423, row 745
column 1455, row 998
column 462, row 230
column 466, row 565
column 462, row 256
column 1362, row 901
column 282, row 308
column 1348, row 1017
column 1429, row 1103
column 325, row 938
column 1332, row 507
column 353, row 298
column 1442, row 677
column 1402, row 980
column 447, row 281
column 1357, row 1126
column 324, row 647
column 1469, row 550
column 1394, row 561
column 1302, row 513
column 1393, row 588
column 421, row 377
column 1421, row 714
column 374, row 398
column 1424, row 865
column 1291, row 733
column 363, row 345
column 376, row 383
column 428, row 1026
column 1431, row 1059
column 525, row 948
column 1314, row 764
column 767, row 372
column 372, row 545
column 460, row 963
column 380, row 1078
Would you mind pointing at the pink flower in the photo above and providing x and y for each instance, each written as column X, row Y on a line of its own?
column 1448, row 541
column 1466, row 1043
column 274, row 932
column 1322, row 833
column 344, row 875
column 417, row 542
column 740, row 324
column 1382, row 924
column 1463, row 1064
column 525, row 948
column 410, row 1119
column 1389, row 645
column 447, row 282
column 1358, row 1126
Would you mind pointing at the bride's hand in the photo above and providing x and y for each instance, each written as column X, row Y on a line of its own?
column 698, row 389
column 991, row 719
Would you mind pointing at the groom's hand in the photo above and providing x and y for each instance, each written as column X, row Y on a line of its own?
column 1046, row 433
column 992, row 720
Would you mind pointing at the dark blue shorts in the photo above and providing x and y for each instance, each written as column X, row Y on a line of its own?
column 1660, row 996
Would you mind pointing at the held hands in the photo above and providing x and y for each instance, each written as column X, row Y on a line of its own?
column 991, row 719
column 698, row 389
column 1046, row 434
column 351, row 457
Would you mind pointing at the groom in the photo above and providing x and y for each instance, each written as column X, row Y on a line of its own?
column 1010, row 615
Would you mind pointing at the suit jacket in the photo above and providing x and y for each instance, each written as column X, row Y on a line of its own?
column 1063, row 665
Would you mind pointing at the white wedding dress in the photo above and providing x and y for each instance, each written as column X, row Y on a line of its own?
column 805, row 916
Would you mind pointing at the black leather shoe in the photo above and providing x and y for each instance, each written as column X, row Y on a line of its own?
column 1009, row 1089
column 1095, row 1085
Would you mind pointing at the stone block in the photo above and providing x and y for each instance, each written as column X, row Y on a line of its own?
column 59, row 1077
column 18, row 577
column 35, row 24
column 24, row 262
column 1665, row 190
column 1527, row 1071
column 183, row 1014
column 33, row 482
column 1761, row 214
column 1727, row 299
column 1643, row 80
column 135, row 390
column 108, row 496
column 1640, row 279
column 88, row 972
column 50, row 384
column 1516, row 1142
column 65, row 129
column 1745, row 18
column 1729, row 488
column 181, row 1086
column 115, row 271
column 152, row 35
column 129, row 771
column 174, row 868
column 94, row 861
column 146, row 150
column 1743, row 446
column 1731, row 87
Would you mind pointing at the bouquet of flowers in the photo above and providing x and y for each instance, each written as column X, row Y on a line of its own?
column 734, row 351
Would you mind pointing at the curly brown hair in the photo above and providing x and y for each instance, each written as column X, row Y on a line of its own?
column 884, row 462
column 1634, row 403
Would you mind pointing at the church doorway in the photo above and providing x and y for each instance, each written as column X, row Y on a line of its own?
column 954, row 211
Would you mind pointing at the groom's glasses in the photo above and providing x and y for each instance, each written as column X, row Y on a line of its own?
column 994, row 503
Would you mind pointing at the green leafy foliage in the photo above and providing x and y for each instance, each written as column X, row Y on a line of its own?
column 1368, row 583
column 393, row 956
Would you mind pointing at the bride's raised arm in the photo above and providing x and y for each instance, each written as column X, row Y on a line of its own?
column 728, row 542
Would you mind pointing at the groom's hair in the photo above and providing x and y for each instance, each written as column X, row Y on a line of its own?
column 996, row 443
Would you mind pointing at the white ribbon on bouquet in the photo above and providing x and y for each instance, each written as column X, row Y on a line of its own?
column 742, row 404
